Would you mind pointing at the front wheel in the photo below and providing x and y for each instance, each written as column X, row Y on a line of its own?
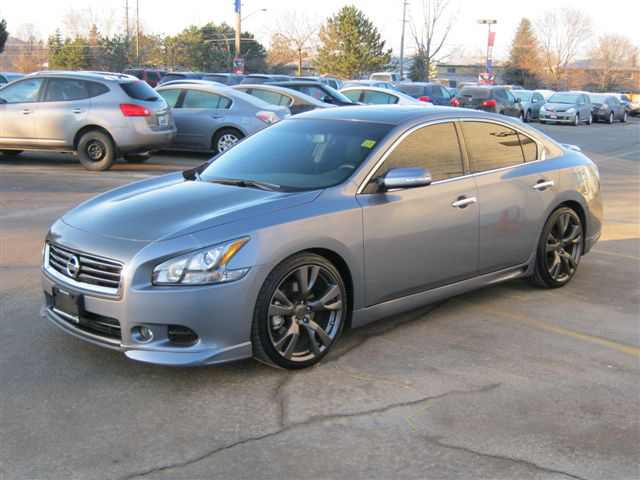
column 590, row 121
column 559, row 249
column 625, row 115
column 610, row 119
column 225, row 139
column 576, row 120
column 96, row 151
column 521, row 117
column 300, row 312
column 527, row 117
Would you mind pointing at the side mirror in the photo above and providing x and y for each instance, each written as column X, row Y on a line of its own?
column 405, row 178
column 327, row 99
column 535, row 100
column 518, row 99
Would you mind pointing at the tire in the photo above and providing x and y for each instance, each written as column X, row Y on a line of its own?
column 543, row 122
column 624, row 118
column 527, row 117
column 521, row 117
column 11, row 152
column 96, row 151
column 136, row 158
column 576, row 120
column 295, row 328
column 590, row 120
column 610, row 118
column 225, row 139
column 556, row 260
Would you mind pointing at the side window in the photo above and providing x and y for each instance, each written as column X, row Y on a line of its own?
column 510, row 95
column 333, row 84
column 314, row 92
column 198, row 99
column 65, row 89
column 224, row 102
column 529, row 148
column 25, row 91
column 286, row 101
column 537, row 96
column 491, row 146
column 376, row 98
column 444, row 93
column 270, row 97
column 171, row 96
column 353, row 95
column 434, row 147
column 95, row 88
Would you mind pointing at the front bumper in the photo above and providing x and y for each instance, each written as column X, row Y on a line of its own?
column 559, row 117
column 221, row 316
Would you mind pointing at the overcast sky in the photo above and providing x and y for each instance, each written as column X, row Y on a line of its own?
column 169, row 17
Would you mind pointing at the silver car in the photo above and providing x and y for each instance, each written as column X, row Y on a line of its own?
column 380, row 96
column 97, row 115
column 567, row 107
column 531, row 102
column 214, row 117
column 328, row 220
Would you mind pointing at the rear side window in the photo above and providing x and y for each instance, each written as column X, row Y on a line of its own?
column 434, row 147
column 529, row 148
column 273, row 98
column 378, row 98
column 491, row 146
column 139, row 90
column 95, row 88
column 353, row 95
column 198, row 99
column 171, row 96
column 65, row 89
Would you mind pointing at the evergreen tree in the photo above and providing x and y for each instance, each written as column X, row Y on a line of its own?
column 70, row 55
column 3, row 34
column 418, row 71
column 524, row 64
column 351, row 45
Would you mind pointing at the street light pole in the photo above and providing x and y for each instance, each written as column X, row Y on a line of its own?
column 489, row 42
column 404, row 21
column 238, row 19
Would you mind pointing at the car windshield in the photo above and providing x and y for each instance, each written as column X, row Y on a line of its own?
column 299, row 154
column 570, row 98
column 523, row 96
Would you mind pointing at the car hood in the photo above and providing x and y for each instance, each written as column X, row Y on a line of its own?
column 560, row 107
column 171, row 206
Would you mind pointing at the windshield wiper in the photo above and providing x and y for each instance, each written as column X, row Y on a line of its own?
column 238, row 182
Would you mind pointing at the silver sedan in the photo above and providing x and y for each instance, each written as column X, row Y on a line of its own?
column 325, row 221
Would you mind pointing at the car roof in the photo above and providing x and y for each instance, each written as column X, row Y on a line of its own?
column 284, row 83
column 86, row 75
column 372, row 89
column 282, row 90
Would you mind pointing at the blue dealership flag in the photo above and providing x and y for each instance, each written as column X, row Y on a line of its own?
column 237, row 5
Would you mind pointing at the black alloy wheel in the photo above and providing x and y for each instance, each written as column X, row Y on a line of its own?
column 559, row 249
column 300, row 312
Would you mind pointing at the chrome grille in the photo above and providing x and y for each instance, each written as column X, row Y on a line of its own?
column 92, row 271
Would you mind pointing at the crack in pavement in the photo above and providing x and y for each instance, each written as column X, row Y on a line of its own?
column 309, row 421
column 279, row 399
column 519, row 461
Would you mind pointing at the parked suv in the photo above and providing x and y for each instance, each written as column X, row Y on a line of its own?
column 97, row 115
column 490, row 99
column 150, row 75
column 426, row 92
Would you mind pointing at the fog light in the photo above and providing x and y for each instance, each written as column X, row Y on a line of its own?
column 142, row 334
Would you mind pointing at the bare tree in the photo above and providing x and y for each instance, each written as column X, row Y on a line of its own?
column 610, row 57
column 297, row 31
column 31, row 53
column 563, row 34
column 280, row 53
column 430, row 35
column 79, row 23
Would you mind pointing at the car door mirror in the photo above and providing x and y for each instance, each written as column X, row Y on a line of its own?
column 535, row 100
column 518, row 99
column 405, row 178
column 327, row 99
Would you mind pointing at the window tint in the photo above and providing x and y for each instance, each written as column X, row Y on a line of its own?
column 95, row 88
column 529, row 148
column 312, row 91
column 198, row 99
column 153, row 76
column 25, row 91
column 65, row 89
column 171, row 96
column 377, row 98
column 434, row 147
column 491, row 146
column 353, row 95
column 224, row 102
column 475, row 92
column 274, row 98
column 139, row 90
column 412, row 89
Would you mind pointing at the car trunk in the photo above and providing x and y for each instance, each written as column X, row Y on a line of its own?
column 141, row 94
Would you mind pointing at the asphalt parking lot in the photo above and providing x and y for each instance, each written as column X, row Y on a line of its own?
column 507, row 382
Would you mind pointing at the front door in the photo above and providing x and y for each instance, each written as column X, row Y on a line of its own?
column 18, row 106
column 420, row 238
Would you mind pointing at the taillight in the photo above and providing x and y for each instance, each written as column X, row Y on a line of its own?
column 454, row 101
column 424, row 98
column 267, row 117
column 489, row 103
column 131, row 110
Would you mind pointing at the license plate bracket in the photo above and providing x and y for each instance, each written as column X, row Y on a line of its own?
column 67, row 304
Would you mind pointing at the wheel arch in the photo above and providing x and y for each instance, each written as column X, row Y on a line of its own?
column 88, row 128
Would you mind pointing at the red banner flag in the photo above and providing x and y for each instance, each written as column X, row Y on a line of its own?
column 492, row 36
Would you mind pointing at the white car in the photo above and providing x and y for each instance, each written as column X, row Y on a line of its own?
column 380, row 96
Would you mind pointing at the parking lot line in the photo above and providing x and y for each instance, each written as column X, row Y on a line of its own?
column 629, row 350
column 632, row 257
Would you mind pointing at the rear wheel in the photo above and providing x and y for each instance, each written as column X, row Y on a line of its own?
column 527, row 117
column 590, row 120
column 559, row 249
column 11, row 152
column 300, row 312
column 225, row 139
column 96, row 151
column 521, row 117
column 625, row 115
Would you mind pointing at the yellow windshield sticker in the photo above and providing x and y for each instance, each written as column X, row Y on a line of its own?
column 368, row 143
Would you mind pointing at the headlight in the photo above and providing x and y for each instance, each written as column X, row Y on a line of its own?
column 571, row 110
column 202, row 267
column 603, row 107
column 542, row 109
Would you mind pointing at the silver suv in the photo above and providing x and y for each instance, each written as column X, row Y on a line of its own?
column 97, row 115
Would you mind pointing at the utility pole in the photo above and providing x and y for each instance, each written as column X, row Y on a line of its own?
column 238, row 5
column 126, row 9
column 137, row 33
column 404, row 21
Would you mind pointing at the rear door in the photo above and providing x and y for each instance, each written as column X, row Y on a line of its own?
column 62, row 112
column 514, row 192
column 18, row 106
column 421, row 238
column 197, row 115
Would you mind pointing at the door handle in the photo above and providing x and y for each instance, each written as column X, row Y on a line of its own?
column 216, row 116
column 26, row 111
column 78, row 110
column 542, row 184
column 463, row 201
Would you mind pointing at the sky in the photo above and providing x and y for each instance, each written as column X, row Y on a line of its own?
column 169, row 17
